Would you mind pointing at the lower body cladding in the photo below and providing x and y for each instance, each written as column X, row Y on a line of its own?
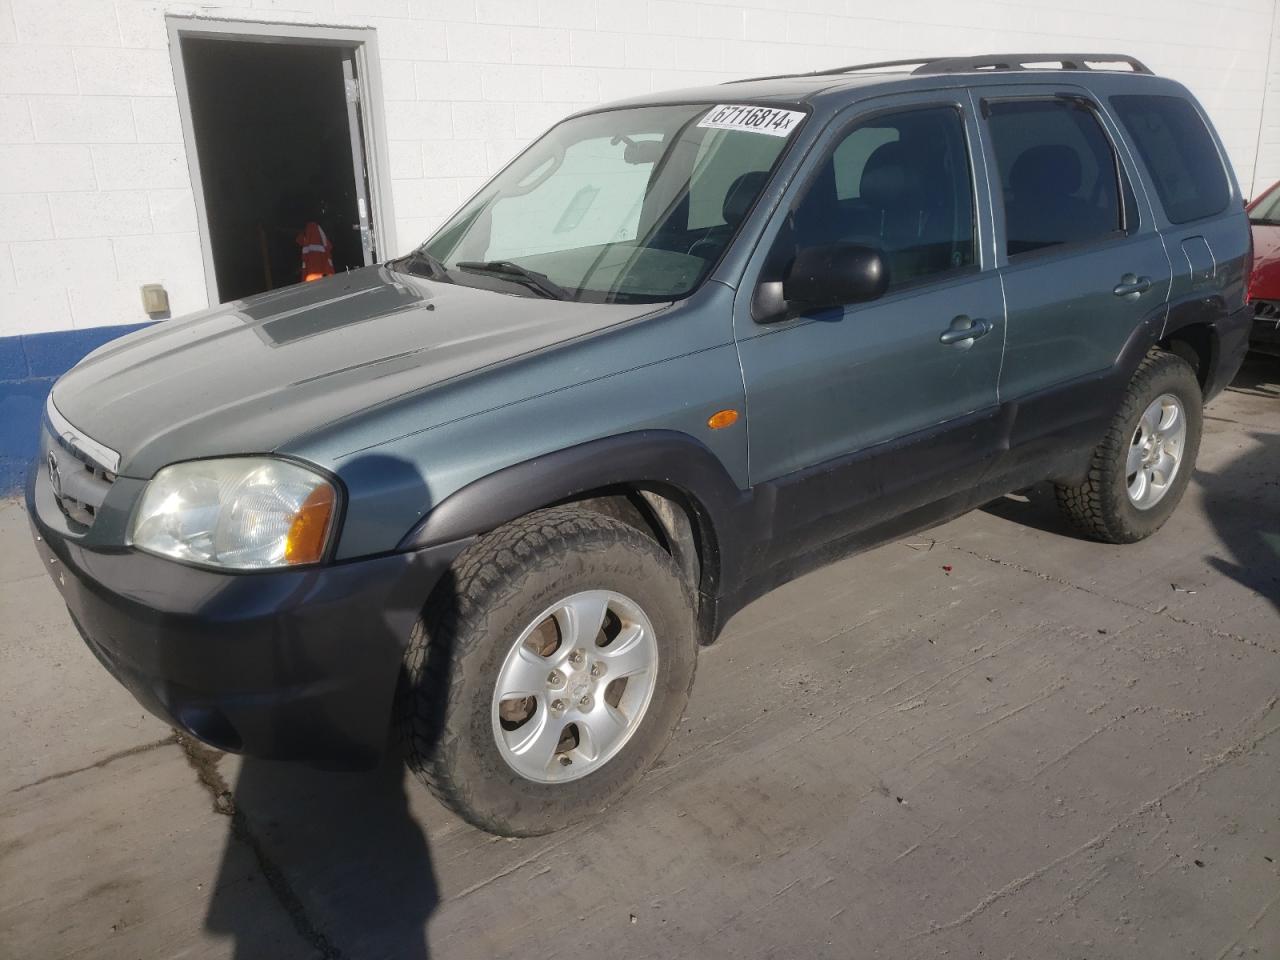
column 1234, row 335
column 287, row 665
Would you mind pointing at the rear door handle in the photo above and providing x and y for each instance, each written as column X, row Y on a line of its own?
column 1130, row 285
column 963, row 329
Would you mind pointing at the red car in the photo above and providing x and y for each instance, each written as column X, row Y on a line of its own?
column 1264, row 287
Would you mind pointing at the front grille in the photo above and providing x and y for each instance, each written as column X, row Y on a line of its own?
column 81, row 483
column 1266, row 310
column 73, row 467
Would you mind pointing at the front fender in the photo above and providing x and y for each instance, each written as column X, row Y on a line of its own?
column 667, row 461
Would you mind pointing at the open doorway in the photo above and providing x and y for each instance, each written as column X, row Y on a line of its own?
column 278, row 133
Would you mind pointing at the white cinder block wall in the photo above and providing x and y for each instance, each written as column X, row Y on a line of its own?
column 95, row 196
column 1267, row 169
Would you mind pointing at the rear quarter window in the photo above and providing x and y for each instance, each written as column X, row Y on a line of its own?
column 1177, row 149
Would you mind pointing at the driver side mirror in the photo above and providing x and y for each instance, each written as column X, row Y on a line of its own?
column 835, row 274
column 831, row 275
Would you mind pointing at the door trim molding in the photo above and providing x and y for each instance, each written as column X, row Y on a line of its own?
column 364, row 40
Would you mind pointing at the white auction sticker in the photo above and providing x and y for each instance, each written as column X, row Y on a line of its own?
column 752, row 119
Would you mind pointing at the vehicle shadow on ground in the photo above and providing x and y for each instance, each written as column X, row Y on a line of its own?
column 1249, row 527
column 1259, row 376
column 339, row 853
column 1035, row 508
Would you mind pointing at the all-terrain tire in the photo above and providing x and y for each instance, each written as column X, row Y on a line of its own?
column 1100, row 506
column 495, row 589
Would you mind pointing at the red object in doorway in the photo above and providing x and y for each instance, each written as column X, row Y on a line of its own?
column 317, row 252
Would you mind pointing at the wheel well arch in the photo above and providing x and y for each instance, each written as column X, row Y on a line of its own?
column 671, row 516
column 1196, row 343
column 665, row 483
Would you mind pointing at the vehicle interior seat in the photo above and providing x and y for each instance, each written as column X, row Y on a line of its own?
column 1041, row 206
column 895, row 208
column 737, row 203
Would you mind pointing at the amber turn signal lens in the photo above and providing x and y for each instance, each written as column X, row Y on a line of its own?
column 310, row 527
column 722, row 418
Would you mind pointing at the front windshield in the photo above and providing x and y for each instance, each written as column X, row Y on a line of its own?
column 624, row 206
column 1268, row 211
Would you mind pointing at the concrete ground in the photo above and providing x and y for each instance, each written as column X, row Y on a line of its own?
column 992, row 740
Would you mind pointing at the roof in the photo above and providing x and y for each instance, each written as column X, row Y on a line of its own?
column 801, row 88
column 808, row 88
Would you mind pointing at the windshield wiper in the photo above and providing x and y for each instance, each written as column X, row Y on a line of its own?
column 1264, row 222
column 436, row 270
column 513, row 271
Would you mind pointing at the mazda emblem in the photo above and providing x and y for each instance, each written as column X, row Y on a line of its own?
column 55, row 479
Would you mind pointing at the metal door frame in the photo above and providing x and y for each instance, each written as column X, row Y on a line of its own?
column 359, row 157
column 371, row 123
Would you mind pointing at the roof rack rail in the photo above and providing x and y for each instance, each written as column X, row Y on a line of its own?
column 833, row 71
column 877, row 65
column 984, row 63
column 1020, row 61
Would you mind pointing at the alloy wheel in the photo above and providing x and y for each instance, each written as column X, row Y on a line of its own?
column 574, row 686
column 1155, row 452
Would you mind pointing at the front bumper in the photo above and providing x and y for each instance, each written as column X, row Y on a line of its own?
column 286, row 665
column 1264, row 337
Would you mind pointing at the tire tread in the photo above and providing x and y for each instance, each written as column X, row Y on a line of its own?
column 486, row 574
column 1085, row 505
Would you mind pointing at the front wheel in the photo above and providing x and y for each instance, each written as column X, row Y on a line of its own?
column 1141, row 468
column 548, row 671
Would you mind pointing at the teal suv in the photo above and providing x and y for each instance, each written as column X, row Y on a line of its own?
column 491, row 496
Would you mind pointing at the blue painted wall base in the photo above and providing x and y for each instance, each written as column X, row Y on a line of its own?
column 29, row 365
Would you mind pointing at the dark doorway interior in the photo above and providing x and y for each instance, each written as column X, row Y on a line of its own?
column 274, row 142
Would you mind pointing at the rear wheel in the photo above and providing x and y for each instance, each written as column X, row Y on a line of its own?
column 548, row 672
column 1141, row 468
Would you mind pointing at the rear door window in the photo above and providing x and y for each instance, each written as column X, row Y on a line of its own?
column 1058, row 172
column 1174, row 143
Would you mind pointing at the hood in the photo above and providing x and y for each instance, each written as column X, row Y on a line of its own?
column 247, row 376
column 1265, row 280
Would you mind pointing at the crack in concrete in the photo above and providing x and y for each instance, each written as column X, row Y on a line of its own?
column 111, row 758
column 1161, row 612
column 959, row 738
column 1253, row 925
column 1213, row 632
column 204, row 761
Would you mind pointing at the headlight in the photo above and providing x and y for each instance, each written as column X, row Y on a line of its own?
column 240, row 512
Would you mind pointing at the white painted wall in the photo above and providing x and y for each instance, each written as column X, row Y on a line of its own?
column 1267, row 166
column 95, row 197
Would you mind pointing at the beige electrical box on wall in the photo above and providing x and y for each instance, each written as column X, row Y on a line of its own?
column 155, row 301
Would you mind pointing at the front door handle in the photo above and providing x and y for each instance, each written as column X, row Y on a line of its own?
column 963, row 329
column 1130, row 285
